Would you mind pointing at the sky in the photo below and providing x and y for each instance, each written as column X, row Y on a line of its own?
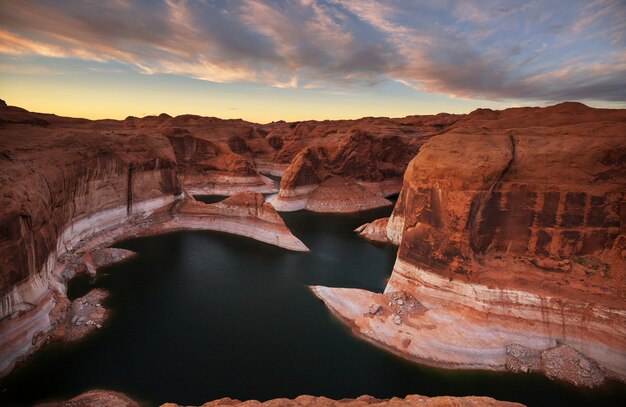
column 308, row 59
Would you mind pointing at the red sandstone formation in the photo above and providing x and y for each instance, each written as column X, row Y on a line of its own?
column 95, row 398
column 114, row 399
column 365, row 401
column 510, row 228
column 70, row 186
column 218, row 158
column 245, row 214
column 375, row 231
column 346, row 166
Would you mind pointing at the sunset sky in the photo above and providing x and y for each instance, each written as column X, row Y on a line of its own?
column 308, row 59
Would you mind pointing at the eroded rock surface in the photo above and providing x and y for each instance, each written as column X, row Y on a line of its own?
column 81, row 317
column 364, row 401
column 71, row 187
column 375, row 231
column 245, row 214
column 511, row 229
column 347, row 165
column 95, row 398
column 216, row 157
column 561, row 362
column 113, row 399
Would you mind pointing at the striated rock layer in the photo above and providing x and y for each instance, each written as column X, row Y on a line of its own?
column 217, row 157
column 375, row 231
column 511, row 228
column 245, row 214
column 71, row 185
column 346, row 165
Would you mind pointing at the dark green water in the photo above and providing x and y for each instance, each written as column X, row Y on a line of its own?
column 199, row 315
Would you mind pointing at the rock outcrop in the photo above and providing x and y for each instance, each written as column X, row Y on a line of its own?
column 70, row 186
column 244, row 214
column 95, row 398
column 561, row 362
column 365, row 401
column 80, row 318
column 217, row 158
column 375, row 231
column 115, row 399
column 510, row 228
column 346, row 166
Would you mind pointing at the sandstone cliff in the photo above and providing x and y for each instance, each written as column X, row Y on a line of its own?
column 346, row 165
column 511, row 229
column 72, row 185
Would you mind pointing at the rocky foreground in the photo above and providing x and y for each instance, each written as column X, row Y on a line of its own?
column 113, row 399
column 511, row 229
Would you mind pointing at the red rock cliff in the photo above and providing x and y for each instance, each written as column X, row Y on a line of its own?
column 347, row 166
column 511, row 229
column 65, row 181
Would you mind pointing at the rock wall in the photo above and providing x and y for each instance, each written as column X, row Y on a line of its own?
column 347, row 166
column 69, row 185
column 59, row 186
column 55, row 195
column 244, row 214
column 219, row 160
column 510, row 228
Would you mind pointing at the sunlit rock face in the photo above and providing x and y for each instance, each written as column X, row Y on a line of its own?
column 95, row 398
column 63, row 181
column 510, row 228
column 219, row 157
column 72, row 185
column 244, row 214
column 375, row 231
column 347, row 165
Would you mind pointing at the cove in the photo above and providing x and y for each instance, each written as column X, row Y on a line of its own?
column 198, row 316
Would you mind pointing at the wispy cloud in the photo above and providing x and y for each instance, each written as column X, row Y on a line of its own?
column 473, row 49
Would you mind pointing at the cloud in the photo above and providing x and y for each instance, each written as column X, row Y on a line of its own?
column 473, row 49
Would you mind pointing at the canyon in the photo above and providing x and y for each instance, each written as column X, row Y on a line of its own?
column 510, row 225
